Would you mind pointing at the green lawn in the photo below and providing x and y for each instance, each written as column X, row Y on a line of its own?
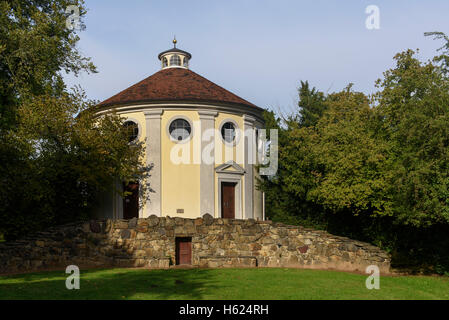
column 225, row 284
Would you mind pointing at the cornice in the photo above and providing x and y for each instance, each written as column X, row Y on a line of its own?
column 205, row 109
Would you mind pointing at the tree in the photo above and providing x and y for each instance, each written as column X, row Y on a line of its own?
column 414, row 107
column 57, row 156
column 346, row 161
column 311, row 105
column 35, row 48
column 373, row 168
column 443, row 58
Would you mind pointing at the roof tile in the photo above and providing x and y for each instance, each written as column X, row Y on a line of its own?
column 174, row 84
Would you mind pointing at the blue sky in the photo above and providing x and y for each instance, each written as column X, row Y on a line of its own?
column 258, row 49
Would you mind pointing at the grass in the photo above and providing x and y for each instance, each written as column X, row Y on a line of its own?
column 227, row 284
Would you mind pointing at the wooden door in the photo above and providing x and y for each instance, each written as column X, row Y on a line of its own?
column 131, row 201
column 228, row 200
column 183, row 251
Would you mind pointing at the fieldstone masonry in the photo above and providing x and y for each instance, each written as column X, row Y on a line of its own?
column 216, row 243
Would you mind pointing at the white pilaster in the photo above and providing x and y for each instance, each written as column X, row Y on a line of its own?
column 249, row 152
column 153, row 155
column 207, row 171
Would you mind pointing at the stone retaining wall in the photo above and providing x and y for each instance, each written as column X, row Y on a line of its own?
column 151, row 242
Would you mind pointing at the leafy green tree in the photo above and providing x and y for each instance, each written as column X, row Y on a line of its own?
column 36, row 48
column 311, row 105
column 414, row 105
column 57, row 156
column 442, row 59
column 281, row 203
column 385, row 157
column 339, row 162
column 277, row 200
column 373, row 168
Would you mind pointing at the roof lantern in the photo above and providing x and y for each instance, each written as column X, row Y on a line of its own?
column 174, row 58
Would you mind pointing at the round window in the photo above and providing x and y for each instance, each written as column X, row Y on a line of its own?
column 228, row 132
column 132, row 130
column 180, row 129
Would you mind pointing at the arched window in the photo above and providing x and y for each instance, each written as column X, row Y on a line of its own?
column 228, row 132
column 132, row 130
column 185, row 62
column 175, row 60
column 180, row 129
column 164, row 62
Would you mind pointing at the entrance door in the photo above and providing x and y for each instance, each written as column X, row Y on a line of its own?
column 228, row 200
column 183, row 251
column 131, row 201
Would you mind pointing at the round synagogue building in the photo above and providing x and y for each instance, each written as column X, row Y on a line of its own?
column 196, row 140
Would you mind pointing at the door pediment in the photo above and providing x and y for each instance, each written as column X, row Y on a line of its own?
column 230, row 167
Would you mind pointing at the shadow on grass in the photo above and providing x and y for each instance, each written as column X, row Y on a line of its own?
column 112, row 284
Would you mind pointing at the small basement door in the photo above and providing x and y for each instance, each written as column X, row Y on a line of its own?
column 183, row 251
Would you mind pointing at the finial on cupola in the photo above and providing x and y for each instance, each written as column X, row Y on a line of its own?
column 174, row 42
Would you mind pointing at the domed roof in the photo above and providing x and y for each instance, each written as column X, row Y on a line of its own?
column 175, row 84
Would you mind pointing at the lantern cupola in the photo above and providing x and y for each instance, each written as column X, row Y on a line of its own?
column 174, row 58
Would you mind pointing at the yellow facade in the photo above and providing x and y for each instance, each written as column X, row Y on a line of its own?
column 180, row 179
column 180, row 182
